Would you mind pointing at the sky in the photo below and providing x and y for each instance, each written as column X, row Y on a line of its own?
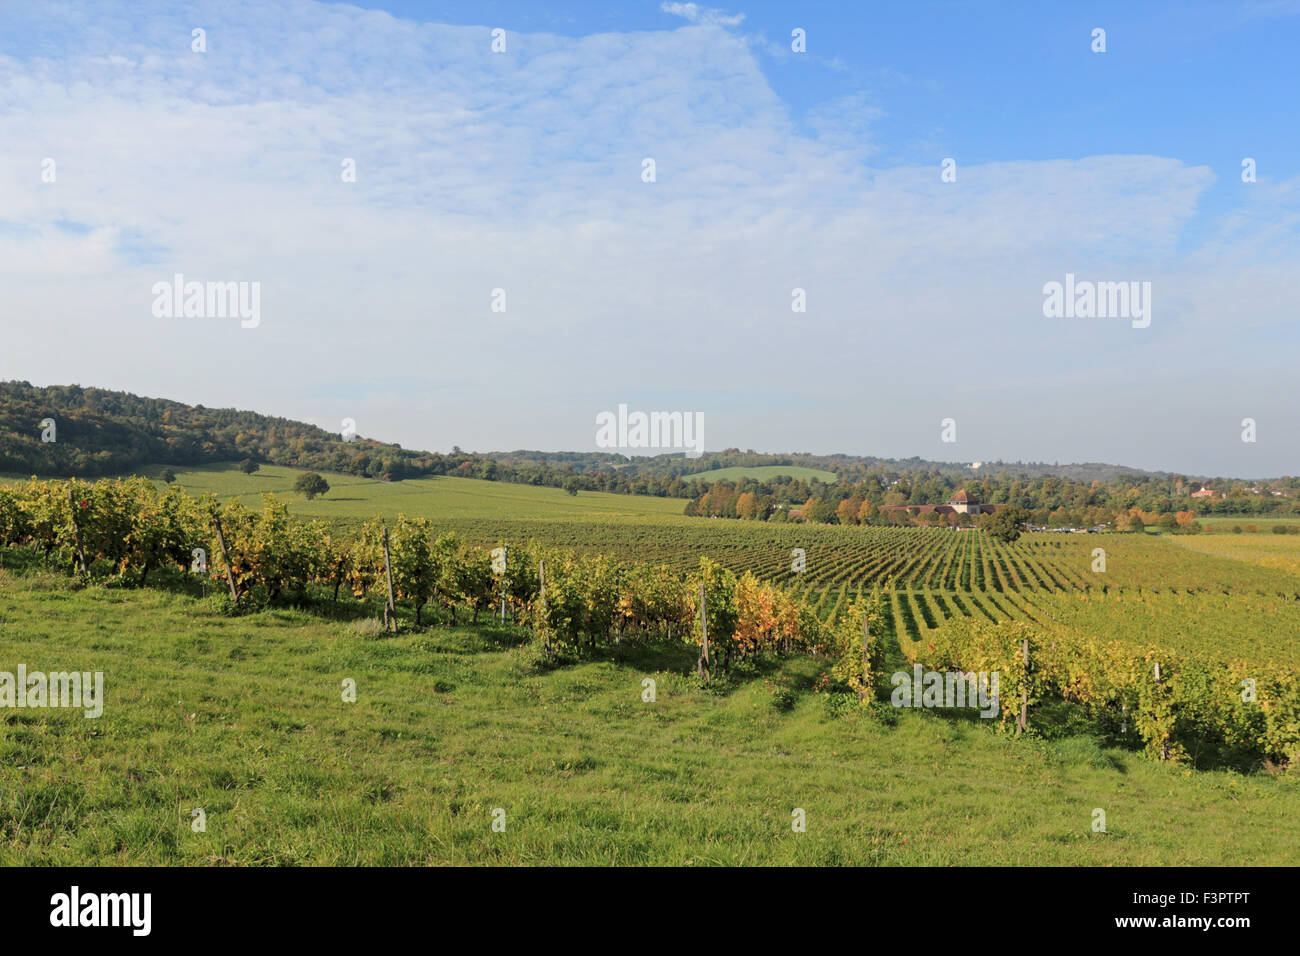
column 127, row 157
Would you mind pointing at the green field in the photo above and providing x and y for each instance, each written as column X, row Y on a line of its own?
column 243, row 718
column 354, row 498
column 766, row 473
column 1221, row 523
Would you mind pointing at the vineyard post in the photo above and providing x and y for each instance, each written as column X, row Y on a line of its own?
column 1164, row 742
column 76, row 532
column 541, row 593
column 866, row 658
column 703, row 664
column 338, row 579
column 390, row 610
column 618, row 597
column 505, row 557
column 225, row 556
column 338, row 570
column 1022, row 724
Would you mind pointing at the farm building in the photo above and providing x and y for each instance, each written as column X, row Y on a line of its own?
column 963, row 503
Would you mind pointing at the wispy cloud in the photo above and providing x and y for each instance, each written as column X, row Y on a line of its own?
column 706, row 16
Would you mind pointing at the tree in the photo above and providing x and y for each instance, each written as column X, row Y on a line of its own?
column 1005, row 524
column 571, row 486
column 168, row 475
column 311, row 485
column 248, row 466
column 847, row 510
column 819, row 512
column 747, row 506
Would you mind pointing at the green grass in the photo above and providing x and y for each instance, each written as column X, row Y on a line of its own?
column 244, row 718
column 352, row 500
column 765, row 473
column 1221, row 522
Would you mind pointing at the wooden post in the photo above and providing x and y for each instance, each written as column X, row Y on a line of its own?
column 1022, row 724
column 866, row 659
column 505, row 557
column 541, row 589
column 703, row 664
column 76, row 532
column 1164, row 743
column 390, row 611
column 618, row 598
column 230, row 571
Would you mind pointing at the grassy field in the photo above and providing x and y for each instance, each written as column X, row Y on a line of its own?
column 1264, row 522
column 244, row 718
column 767, row 473
column 354, row 498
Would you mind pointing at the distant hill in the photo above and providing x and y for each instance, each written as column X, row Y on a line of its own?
column 100, row 432
column 806, row 465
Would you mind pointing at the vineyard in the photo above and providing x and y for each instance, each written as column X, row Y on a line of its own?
column 1176, row 651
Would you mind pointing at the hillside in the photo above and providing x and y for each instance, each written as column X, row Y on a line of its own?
column 101, row 432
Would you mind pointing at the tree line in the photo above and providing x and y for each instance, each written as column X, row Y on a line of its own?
column 878, row 499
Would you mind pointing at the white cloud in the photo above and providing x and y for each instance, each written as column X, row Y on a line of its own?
column 705, row 16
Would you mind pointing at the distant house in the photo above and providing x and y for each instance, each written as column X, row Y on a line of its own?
column 965, row 504
column 1205, row 493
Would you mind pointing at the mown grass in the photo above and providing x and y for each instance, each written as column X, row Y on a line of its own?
column 244, row 717
column 351, row 496
column 1223, row 523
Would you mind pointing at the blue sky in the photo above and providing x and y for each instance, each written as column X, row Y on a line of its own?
column 984, row 82
column 775, row 170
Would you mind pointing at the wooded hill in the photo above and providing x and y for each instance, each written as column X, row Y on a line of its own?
column 101, row 432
